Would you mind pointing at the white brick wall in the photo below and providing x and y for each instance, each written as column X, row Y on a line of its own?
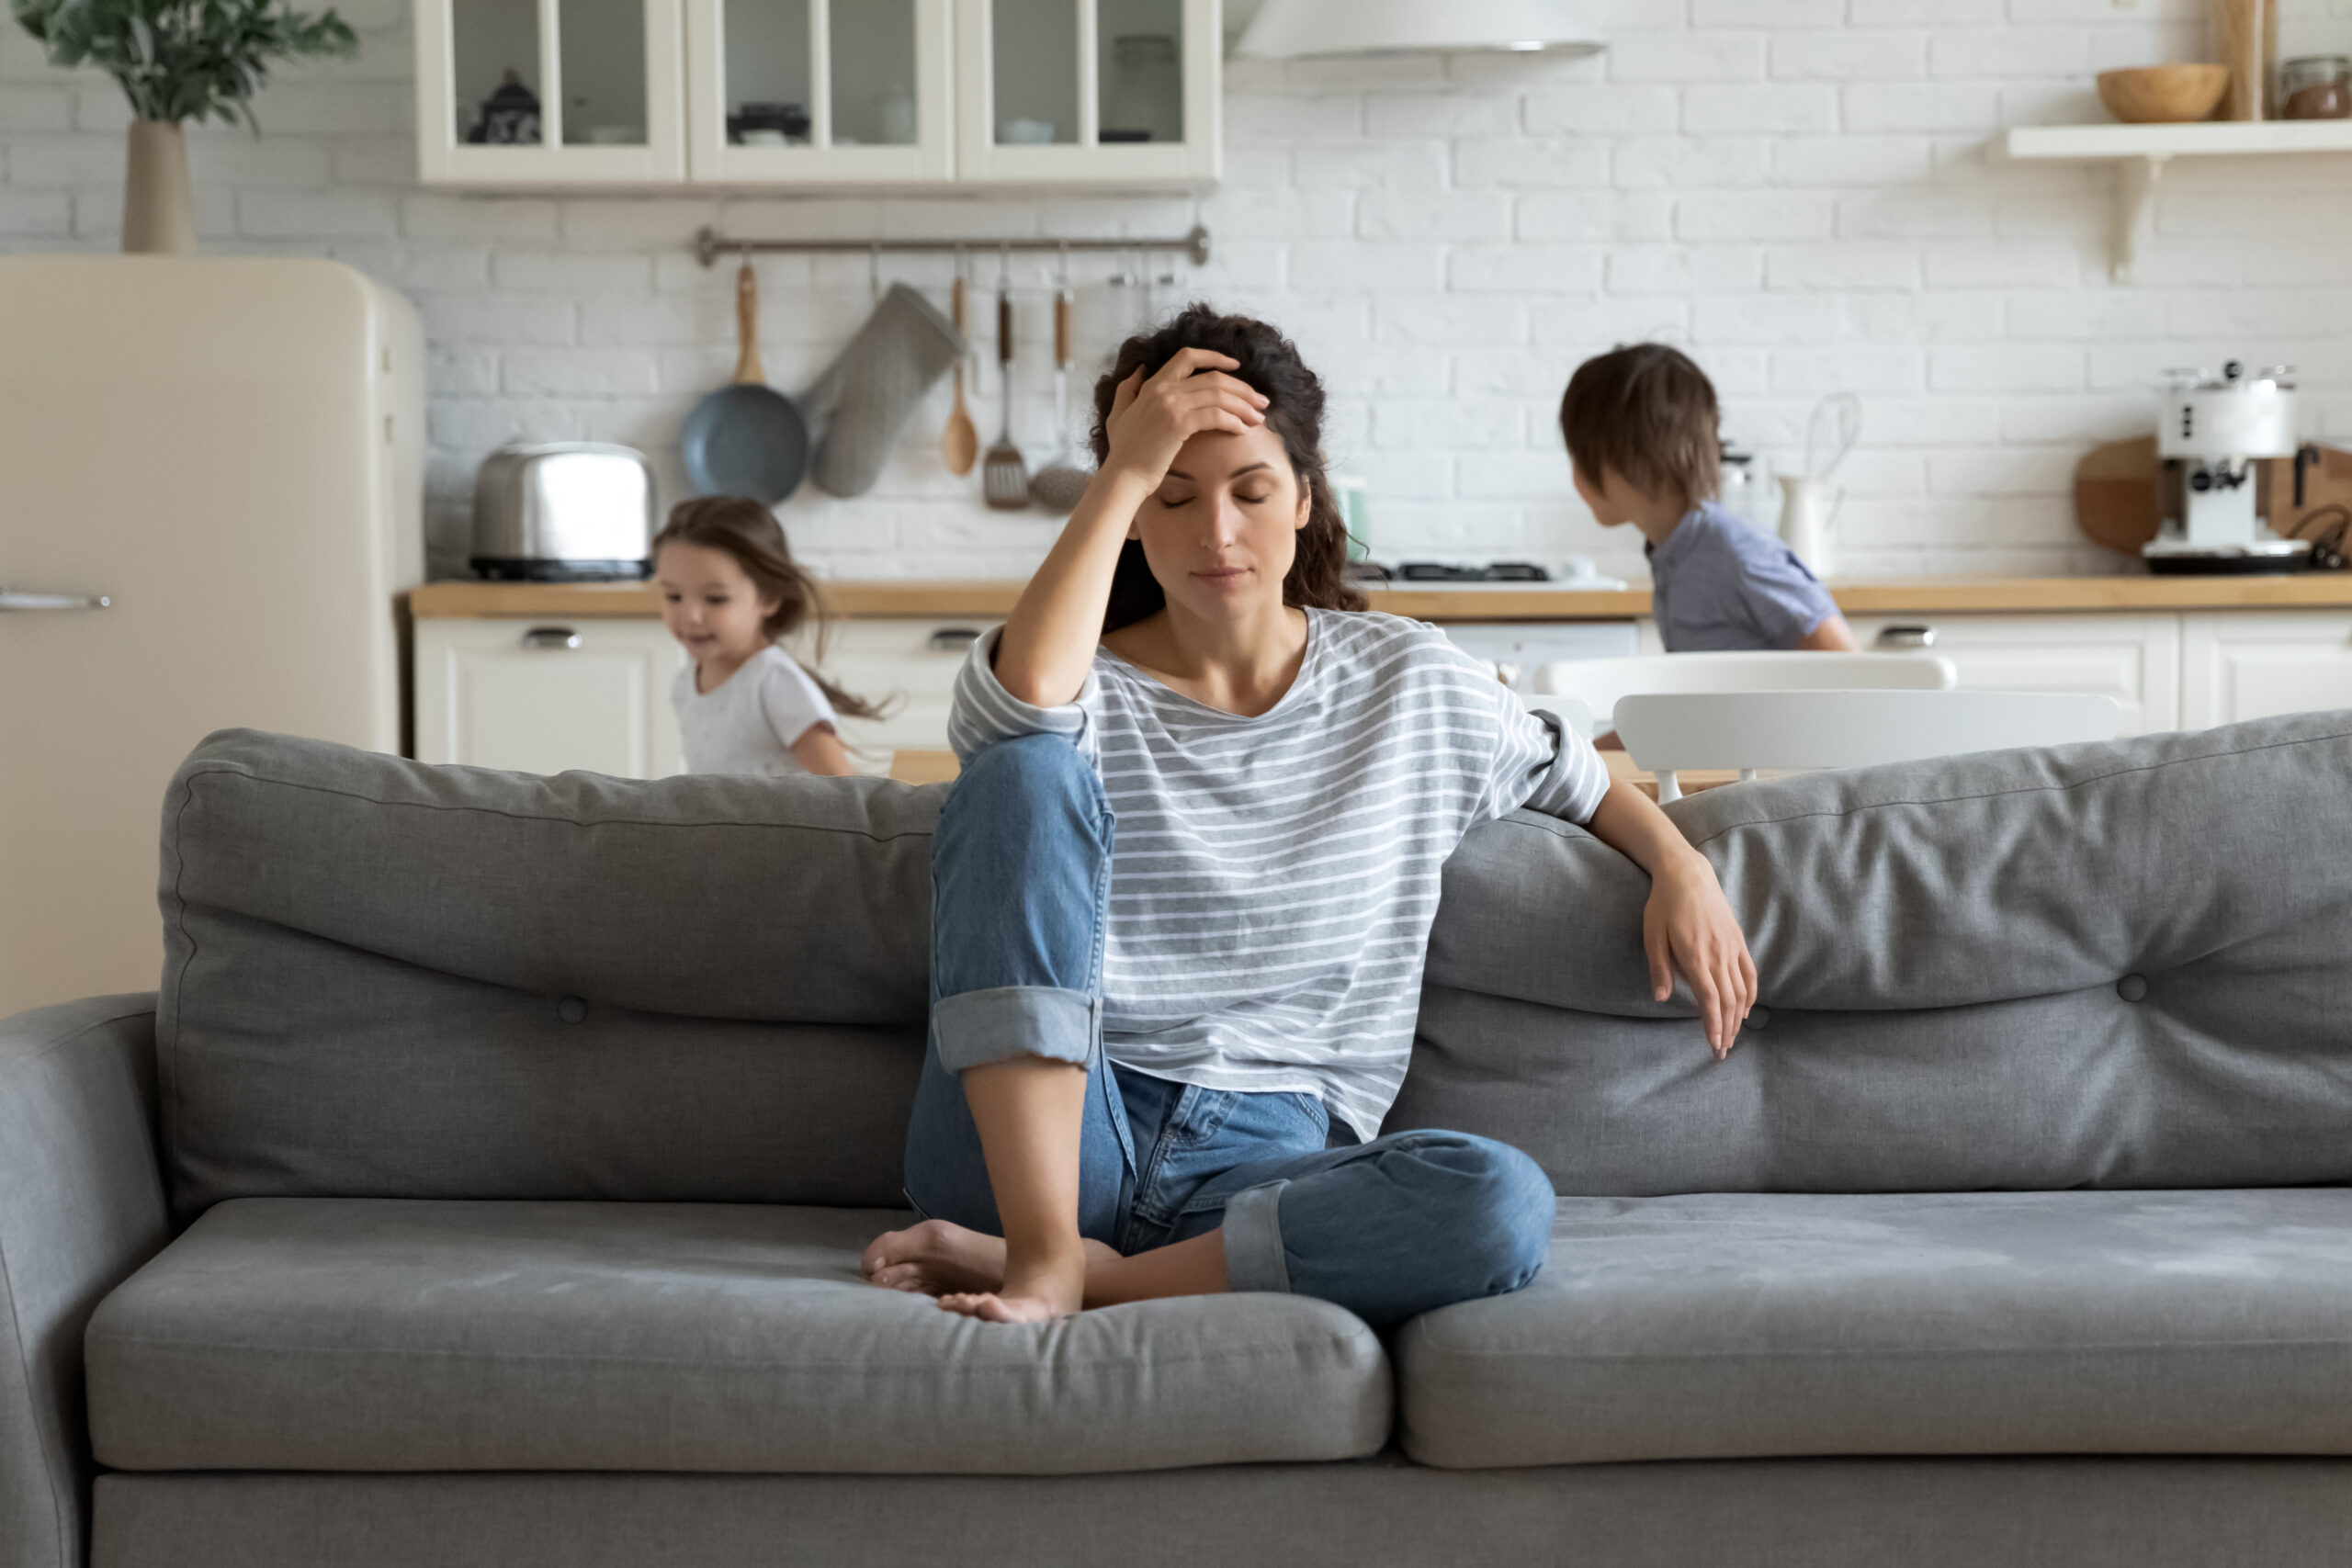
column 1798, row 191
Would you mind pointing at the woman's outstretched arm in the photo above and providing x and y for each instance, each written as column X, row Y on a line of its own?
column 1047, row 646
column 1688, row 924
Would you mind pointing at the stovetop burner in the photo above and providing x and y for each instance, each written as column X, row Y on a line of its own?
column 1444, row 572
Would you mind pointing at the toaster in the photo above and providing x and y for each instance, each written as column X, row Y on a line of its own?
column 562, row 511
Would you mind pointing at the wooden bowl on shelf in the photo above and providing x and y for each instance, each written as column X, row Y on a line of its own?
column 2164, row 95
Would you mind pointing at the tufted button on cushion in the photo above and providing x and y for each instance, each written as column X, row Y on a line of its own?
column 1759, row 1017
column 2132, row 987
column 572, row 1010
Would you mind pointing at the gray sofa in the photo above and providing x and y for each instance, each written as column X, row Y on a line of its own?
column 486, row 1186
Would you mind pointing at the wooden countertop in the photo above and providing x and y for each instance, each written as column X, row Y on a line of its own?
column 1926, row 595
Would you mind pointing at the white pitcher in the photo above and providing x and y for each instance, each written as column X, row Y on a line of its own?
column 1809, row 509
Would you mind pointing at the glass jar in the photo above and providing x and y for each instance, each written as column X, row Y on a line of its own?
column 2316, row 86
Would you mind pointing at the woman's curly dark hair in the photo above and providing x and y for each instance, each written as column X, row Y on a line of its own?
column 1270, row 362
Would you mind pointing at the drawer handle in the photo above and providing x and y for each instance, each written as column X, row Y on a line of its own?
column 551, row 638
column 1896, row 639
column 954, row 639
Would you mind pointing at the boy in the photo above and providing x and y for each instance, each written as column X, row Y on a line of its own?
column 1640, row 424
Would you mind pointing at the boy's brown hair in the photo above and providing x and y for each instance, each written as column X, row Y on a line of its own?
column 1647, row 414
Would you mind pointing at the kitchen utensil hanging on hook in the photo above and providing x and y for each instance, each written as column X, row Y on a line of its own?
column 961, row 443
column 1005, row 477
column 747, row 438
column 1061, row 482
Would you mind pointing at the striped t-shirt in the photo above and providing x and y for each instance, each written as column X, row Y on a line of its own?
column 1274, row 879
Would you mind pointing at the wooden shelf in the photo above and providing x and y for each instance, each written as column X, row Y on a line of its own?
column 2204, row 139
column 2142, row 151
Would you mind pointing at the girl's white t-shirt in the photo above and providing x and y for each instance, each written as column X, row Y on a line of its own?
column 748, row 723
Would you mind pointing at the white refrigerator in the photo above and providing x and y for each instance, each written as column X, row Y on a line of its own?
column 210, row 503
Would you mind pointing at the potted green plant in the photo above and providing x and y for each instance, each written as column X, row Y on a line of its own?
column 177, row 59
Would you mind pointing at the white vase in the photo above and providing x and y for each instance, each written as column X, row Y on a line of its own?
column 1809, row 509
column 158, row 210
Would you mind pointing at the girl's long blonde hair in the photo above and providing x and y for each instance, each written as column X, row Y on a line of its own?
column 747, row 531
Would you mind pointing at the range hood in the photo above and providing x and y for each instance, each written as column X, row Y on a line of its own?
column 1304, row 29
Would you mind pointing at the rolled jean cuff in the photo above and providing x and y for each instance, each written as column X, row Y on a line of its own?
column 975, row 1028
column 1253, row 1240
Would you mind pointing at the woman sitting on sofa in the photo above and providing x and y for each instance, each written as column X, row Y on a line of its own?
column 1183, row 890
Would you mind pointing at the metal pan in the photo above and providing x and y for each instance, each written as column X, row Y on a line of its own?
column 748, row 438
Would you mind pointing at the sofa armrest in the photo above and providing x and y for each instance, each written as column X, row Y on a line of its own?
column 81, row 1207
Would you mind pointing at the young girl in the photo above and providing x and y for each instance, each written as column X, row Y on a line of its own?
column 730, row 590
column 1183, row 892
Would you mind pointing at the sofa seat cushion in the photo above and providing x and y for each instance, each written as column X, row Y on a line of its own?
column 1750, row 1325
column 395, row 1334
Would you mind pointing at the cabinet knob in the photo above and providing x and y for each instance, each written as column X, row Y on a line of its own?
column 954, row 639
column 551, row 638
column 1896, row 639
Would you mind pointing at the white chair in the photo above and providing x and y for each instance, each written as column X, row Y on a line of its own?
column 1666, row 732
column 1601, row 684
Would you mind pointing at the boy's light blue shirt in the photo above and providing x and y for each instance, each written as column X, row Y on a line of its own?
column 1719, row 586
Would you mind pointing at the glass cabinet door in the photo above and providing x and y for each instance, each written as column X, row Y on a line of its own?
column 1088, row 90
column 821, row 91
column 549, row 92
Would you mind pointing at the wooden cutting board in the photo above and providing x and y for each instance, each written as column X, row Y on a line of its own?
column 2117, row 492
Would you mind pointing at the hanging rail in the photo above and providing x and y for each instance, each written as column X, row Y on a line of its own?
column 710, row 244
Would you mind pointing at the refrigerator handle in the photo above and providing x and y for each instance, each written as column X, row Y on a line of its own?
column 10, row 600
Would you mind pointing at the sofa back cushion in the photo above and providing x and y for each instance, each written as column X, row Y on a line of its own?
column 2121, row 965
column 386, row 979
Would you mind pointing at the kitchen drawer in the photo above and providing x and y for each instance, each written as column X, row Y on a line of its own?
column 547, row 696
column 913, row 662
column 2133, row 658
column 2239, row 665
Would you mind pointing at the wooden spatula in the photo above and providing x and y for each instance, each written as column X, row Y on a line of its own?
column 962, row 443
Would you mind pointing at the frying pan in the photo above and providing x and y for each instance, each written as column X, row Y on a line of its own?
column 748, row 438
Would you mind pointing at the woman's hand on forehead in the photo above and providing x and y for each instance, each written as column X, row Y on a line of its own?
column 1192, row 394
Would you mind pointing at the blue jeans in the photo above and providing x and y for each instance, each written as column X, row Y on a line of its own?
column 1021, row 878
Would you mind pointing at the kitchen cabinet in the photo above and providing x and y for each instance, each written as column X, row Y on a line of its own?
column 909, row 663
column 1088, row 91
column 819, row 93
column 550, row 92
column 547, row 696
column 2133, row 658
column 2237, row 666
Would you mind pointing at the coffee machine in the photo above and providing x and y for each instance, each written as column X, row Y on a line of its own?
column 2211, row 435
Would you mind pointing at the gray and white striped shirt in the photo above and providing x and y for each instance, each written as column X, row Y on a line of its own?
column 1274, row 879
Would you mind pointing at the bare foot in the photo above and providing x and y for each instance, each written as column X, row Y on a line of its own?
column 936, row 1258
column 1038, row 1293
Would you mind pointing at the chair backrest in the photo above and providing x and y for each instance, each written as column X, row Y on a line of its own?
column 1667, row 731
column 1601, row 683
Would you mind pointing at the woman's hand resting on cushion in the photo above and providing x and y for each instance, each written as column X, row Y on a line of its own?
column 1688, row 926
